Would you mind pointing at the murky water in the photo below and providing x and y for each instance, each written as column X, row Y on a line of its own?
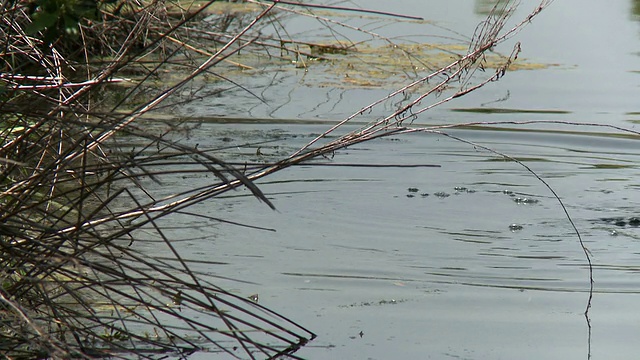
column 471, row 259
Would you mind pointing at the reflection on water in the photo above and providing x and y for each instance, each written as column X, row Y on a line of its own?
column 635, row 9
column 425, row 261
column 484, row 7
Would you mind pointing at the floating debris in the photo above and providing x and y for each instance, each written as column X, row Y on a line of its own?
column 462, row 189
column 376, row 303
column 515, row 227
column 177, row 298
column 526, row 201
column 620, row 221
column 441, row 194
column 507, row 192
column 410, row 195
column 424, row 194
column 413, row 190
column 613, row 233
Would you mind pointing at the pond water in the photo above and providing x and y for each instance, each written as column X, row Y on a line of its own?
column 471, row 259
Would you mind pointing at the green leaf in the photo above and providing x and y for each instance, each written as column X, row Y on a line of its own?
column 86, row 9
column 71, row 26
column 40, row 21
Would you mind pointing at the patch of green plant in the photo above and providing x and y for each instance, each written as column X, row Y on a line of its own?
column 60, row 18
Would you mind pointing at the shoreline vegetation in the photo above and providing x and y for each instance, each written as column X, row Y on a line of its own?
column 75, row 77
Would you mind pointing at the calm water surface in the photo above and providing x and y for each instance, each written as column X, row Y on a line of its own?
column 423, row 260
column 474, row 259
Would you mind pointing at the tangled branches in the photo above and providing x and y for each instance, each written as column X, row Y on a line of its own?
column 73, row 285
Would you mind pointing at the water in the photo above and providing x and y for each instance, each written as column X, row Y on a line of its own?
column 446, row 262
column 366, row 249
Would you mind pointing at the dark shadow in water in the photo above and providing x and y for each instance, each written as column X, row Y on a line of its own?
column 490, row 110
